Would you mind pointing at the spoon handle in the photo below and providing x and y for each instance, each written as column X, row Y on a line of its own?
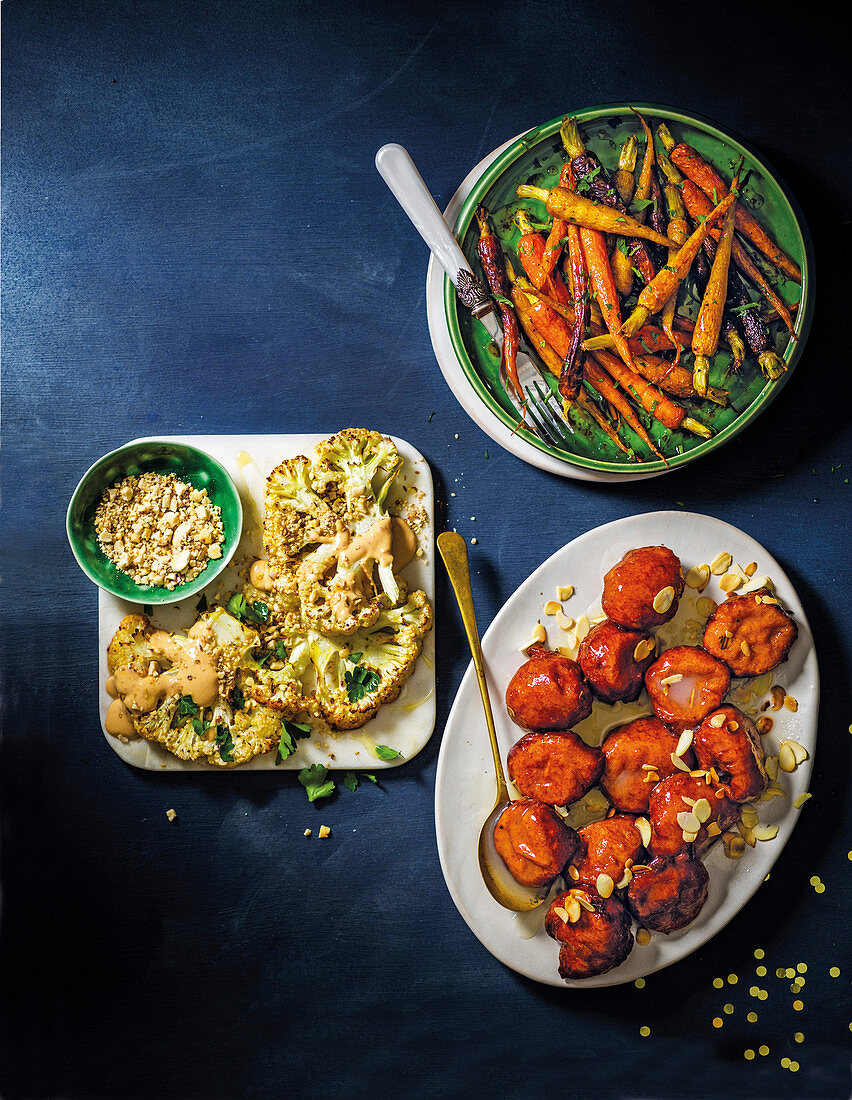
column 454, row 552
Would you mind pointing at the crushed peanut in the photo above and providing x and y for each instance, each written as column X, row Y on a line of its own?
column 159, row 530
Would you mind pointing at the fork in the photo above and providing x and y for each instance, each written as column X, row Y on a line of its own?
column 399, row 172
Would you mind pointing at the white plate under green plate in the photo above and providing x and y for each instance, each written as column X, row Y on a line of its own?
column 464, row 784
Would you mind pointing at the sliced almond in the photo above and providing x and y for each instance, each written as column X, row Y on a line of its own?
column 566, row 651
column 539, row 637
column 675, row 678
column 565, row 592
column 643, row 825
column 765, row 832
column 651, row 777
column 801, row 800
column 702, row 810
column 705, row 606
column 582, row 628
column 689, row 801
column 563, row 621
column 663, row 600
column 764, row 724
column 749, row 817
column 689, row 837
column 734, row 845
column 643, row 649
column 745, row 648
column 573, row 872
column 583, row 899
column 625, row 879
column 772, row 792
column 678, row 763
column 787, row 758
column 747, row 833
column 688, row 821
column 799, row 751
column 721, row 564
column 757, row 583
column 558, row 911
column 713, row 829
column 552, row 607
column 751, row 569
column 643, row 937
column 777, row 696
column 716, row 720
column 790, row 703
column 730, row 582
column 684, row 742
column 573, row 910
column 698, row 576
column 604, row 885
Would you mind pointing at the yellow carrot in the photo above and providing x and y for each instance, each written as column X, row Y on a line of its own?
column 708, row 325
column 575, row 208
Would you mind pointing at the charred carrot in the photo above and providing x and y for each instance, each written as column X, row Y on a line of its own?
column 553, row 245
column 602, row 382
column 494, row 268
column 678, row 230
column 603, row 288
column 651, row 399
column 589, row 215
column 667, row 280
column 754, row 327
column 708, row 324
column 571, row 377
column 588, row 407
column 532, row 250
column 623, row 179
column 545, row 321
column 696, row 168
column 674, row 379
column 592, row 177
column 699, row 205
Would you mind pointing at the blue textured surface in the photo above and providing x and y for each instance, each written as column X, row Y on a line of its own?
column 195, row 240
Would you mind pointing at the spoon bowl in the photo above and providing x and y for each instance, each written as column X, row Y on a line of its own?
column 499, row 882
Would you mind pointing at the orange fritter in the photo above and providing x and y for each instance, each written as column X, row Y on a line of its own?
column 556, row 767
column 727, row 740
column 670, row 893
column 607, row 846
column 548, row 692
column 685, row 684
column 676, row 795
column 632, row 585
column 534, row 842
column 598, row 941
column 750, row 635
column 627, row 749
column 608, row 662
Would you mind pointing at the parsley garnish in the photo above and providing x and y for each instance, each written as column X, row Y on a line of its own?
column 238, row 700
column 281, row 651
column 186, row 707
column 291, row 732
column 360, row 682
column 350, row 781
column 316, row 782
column 384, row 753
column 255, row 612
column 225, row 743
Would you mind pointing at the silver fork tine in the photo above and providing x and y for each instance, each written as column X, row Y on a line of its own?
column 539, row 423
column 548, row 410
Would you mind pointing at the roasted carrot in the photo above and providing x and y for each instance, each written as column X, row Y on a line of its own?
column 651, row 399
column 666, row 282
column 603, row 288
column 545, row 320
column 674, row 379
column 592, row 177
column 708, row 324
column 596, row 323
column 678, row 230
column 623, row 179
column 696, row 168
column 588, row 407
column 494, row 268
column 553, row 245
column 699, row 205
column 643, row 187
column 531, row 250
column 571, row 377
column 602, row 382
column 590, row 215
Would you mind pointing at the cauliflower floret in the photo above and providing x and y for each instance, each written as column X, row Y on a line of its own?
column 131, row 646
column 296, row 515
column 275, row 679
column 215, row 734
column 357, row 674
column 362, row 462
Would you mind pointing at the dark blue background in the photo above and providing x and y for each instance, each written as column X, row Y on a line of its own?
column 196, row 240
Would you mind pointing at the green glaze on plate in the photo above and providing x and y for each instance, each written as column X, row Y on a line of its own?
column 536, row 158
column 160, row 456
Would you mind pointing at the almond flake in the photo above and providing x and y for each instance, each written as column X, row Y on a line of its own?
column 689, row 801
column 651, row 777
column 675, row 678
column 604, row 885
column 643, row 937
column 572, row 909
column 698, row 576
column 716, row 720
column 625, row 879
column 643, row 649
column 552, row 607
column 678, row 763
column 801, row 800
column 751, row 569
column 582, row 628
column 684, row 742
column 730, row 582
column 705, row 606
column 746, row 833
column 539, row 637
column 713, row 829
column 558, row 911
column 565, row 592
column 563, row 621
column 745, row 649
column 702, row 810
column 777, row 696
column 764, row 724
column 721, row 564
column 772, row 792
column 791, row 704
column 734, row 845
column 573, row 872
column 663, row 600
column 583, row 898
column 643, row 825
column 765, row 832
column 688, row 821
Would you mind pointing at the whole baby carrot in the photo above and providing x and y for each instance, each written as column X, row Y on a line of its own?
column 553, row 245
column 608, row 390
column 651, row 399
column 708, row 324
column 494, row 267
column 571, row 377
column 532, row 252
column 590, row 215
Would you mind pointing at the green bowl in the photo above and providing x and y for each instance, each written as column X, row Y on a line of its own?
column 537, row 158
column 162, row 456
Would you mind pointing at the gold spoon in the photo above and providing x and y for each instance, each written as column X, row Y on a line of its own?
column 502, row 887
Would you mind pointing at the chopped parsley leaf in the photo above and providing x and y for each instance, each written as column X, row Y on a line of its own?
column 316, row 782
column 291, row 732
column 384, row 753
column 225, row 743
column 350, row 781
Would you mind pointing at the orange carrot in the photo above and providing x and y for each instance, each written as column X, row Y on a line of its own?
column 603, row 288
column 667, row 280
column 558, row 231
column 678, row 230
column 591, row 215
column 643, row 187
column 696, row 168
column 608, row 390
column 651, row 399
column 674, row 379
column 708, row 324
column 532, row 251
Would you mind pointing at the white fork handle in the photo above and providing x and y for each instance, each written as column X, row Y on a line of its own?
column 399, row 172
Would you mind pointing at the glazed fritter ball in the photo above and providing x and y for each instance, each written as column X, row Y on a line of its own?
column 669, row 894
column 634, row 583
column 534, row 842
column 548, row 692
column 598, row 941
column 727, row 740
column 750, row 634
column 626, row 781
column 608, row 661
column 676, row 795
column 685, row 684
column 608, row 845
column 556, row 768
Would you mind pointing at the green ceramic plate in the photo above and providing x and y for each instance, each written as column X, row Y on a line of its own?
column 536, row 158
column 161, row 456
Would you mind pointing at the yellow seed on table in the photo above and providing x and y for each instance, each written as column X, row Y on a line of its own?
column 718, row 1021
column 802, row 968
column 763, row 1049
column 644, row 1031
column 834, row 971
column 718, row 983
column 799, row 1037
column 794, row 1067
column 798, row 1006
column 753, row 991
column 801, row 800
column 790, row 972
column 760, row 971
column 732, row 979
column 640, row 983
column 752, row 1017
column 748, row 1055
column 780, row 972
column 759, row 953
column 762, row 994
column 785, row 1062
column 728, row 1009
column 720, row 564
column 814, row 880
column 820, row 889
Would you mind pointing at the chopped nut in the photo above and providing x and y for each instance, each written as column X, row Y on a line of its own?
column 684, row 742
column 604, row 885
column 539, row 637
column 675, row 678
column 801, row 800
column 791, row 704
column 721, row 564
column 573, row 872
column 730, row 582
column 688, row 822
column 171, row 815
column 643, row 649
column 678, row 763
column 643, row 826
column 565, row 592
column 663, row 600
column 777, row 696
column 717, row 721
column 552, row 607
column 764, row 724
column 734, row 845
column 765, row 832
column 582, row 628
column 324, row 832
column 745, row 648
column 751, row 569
column 308, row 832
column 563, row 621
column 705, row 606
column 702, row 810
column 713, row 828
column 572, row 910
